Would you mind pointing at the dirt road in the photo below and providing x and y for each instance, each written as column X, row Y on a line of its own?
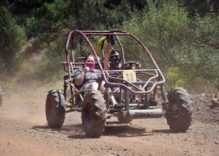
column 24, row 132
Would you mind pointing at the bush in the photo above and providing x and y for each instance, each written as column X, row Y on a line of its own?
column 11, row 40
column 176, row 77
column 51, row 64
column 164, row 29
column 187, row 47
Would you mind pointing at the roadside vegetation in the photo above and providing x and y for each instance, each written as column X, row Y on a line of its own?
column 183, row 36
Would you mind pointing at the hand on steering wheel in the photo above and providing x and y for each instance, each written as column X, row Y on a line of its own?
column 131, row 65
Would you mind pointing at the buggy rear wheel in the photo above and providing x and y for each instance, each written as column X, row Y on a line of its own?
column 179, row 113
column 55, row 111
column 94, row 114
column 123, row 119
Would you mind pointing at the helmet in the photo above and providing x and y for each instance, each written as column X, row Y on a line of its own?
column 115, row 58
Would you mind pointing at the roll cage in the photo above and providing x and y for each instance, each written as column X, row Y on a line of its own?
column 114, row 77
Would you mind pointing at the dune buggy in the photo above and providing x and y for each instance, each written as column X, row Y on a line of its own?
column 138, row 86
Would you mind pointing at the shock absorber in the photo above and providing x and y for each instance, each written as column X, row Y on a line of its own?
column 65, row 85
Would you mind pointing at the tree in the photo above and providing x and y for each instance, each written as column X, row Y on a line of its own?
column 11, row 40
column 182, row 45
column 201, row 7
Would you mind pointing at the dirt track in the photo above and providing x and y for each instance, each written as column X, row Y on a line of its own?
column 23, row 132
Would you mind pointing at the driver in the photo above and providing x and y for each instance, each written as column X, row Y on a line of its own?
column 115, row 60
column 112, row 59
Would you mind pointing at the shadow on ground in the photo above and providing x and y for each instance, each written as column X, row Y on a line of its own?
column 76, row 131
column 65, row 129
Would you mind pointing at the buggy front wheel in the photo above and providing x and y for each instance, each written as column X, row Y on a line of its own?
column 94, row 114
column 179, row 113
column 55, row 111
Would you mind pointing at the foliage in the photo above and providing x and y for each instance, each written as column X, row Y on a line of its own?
column 182, row 35
column 185, row 48
column 51, row 62
column 49, row 17
column 163, row 30
column 208, row 40
column 11, row 40
column 201, row 7
column 176, row 77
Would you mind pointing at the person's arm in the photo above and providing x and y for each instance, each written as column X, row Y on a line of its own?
column 107, row 53
column 78, row 76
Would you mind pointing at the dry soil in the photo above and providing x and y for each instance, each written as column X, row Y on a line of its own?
column 24, row 132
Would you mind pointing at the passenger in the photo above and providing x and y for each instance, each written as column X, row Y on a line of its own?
column 88, row 77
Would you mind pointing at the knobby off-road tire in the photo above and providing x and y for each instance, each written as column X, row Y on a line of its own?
column 55, row 110
column 179, row 115
column 94, row 114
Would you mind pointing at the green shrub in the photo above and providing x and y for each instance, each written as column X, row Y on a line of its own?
column 176, row 77
column 185, row 48
column 11, row 40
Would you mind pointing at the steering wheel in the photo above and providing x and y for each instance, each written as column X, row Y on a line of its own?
column 131, row 65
